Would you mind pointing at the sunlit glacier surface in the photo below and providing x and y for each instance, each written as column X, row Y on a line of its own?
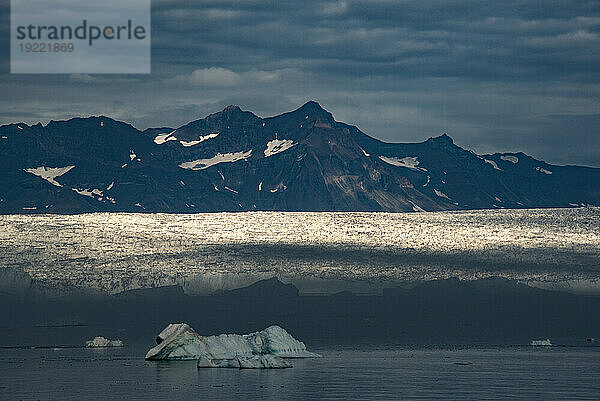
column 318, row 252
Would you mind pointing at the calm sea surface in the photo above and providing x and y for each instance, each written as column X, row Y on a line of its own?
column 526, row 373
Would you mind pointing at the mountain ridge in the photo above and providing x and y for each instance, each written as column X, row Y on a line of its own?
column 234, row 160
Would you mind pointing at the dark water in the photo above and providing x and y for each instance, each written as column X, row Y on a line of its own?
column 350, row 373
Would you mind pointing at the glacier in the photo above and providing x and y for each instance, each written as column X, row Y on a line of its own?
column 258, row 350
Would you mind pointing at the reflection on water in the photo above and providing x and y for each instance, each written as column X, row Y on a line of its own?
column 204, row 252
column 361, row 373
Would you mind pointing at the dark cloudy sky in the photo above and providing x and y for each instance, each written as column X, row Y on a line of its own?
column 496, row 76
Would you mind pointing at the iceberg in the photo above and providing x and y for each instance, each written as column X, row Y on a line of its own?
column 259, row 350
column 541, row 343
column 101, row 342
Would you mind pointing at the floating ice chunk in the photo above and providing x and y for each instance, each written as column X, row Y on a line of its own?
column 441, row 194
column 260, row 186
column 541, row 343
column 101, row 342
column 124, row 165
column 277, row 146
column 408, row 162
column 202, row 164
column 543, row 170
column 509, row 158
column 181, row 342
column 493, row 163
column 19, row 127
column 428, row 180
column 231, row 190
column 110, row 186
column 4, row 137
column 49, row 173
column 30, row 208
column 162, row 138
column 365, row 153
column 132, row 155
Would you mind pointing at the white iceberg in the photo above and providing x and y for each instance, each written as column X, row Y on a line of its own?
column 262, row 349
column 246, row 362
column 101, row 342
column 541, row 343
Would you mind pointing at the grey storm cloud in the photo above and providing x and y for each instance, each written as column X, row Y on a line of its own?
column 496, row 76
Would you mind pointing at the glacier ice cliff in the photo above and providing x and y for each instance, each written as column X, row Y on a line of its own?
column 262, row 349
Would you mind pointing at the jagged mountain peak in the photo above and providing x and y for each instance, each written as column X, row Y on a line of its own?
column 443, row 139
column 234, row 160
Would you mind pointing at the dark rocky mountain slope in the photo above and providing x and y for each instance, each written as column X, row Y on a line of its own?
column 233, row 160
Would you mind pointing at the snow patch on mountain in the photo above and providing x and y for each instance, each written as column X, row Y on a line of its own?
column 202, row 164
column 92, row 193
column 162, row 138
column 493, row 163
column 277, row 146
column 407, row 162
column 200, row 140
column 509, row 158
column 543, row 170
column 441, row 194
column 49, row 173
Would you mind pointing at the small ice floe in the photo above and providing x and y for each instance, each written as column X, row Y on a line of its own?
column 101, row 342
column 407, row 162
column 231, row 190
column 132, row 155
column 110, row 186
column 124, row 165
column 30, row 208
column 102, row 123
column 19, row 127
column 541, row 343
column 260, row 186
column 365, row 153
column 202, row 164
column 49, row 174
column 509, row 158
column 259, row 350
column 4, row 137
column 428, row 180
column 162, row 138
column 543, row 170
column 277, row 146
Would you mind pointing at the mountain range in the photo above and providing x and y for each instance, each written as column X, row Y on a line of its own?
column 233, row 160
